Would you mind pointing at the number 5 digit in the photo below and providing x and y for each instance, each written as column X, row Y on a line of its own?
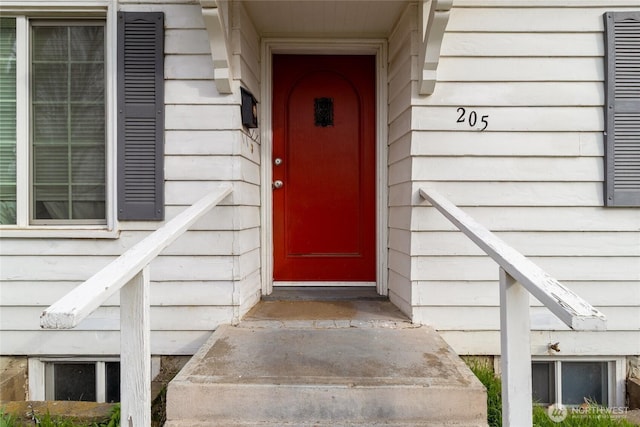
column 484, row 120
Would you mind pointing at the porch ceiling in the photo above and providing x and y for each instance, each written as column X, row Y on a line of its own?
column 337, row 18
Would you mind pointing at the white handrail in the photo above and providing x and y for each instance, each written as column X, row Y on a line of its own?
column 129, row 274
column 68, row 311
column 564, row 303
column 519, row 277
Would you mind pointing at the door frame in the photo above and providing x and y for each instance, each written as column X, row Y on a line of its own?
column 326, row 46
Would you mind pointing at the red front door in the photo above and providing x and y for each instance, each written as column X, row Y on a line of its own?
column 324, row 157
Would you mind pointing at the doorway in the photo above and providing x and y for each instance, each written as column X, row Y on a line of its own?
column 323, row 168
column 323, row 57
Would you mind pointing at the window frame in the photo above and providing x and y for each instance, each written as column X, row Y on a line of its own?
column 37, row 372
column 41, row 375
column 616, row 371
column 60, row 12
column 100, row 376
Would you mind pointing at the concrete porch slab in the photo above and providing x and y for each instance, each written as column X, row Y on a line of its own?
column 362, row 367
column 319, row 312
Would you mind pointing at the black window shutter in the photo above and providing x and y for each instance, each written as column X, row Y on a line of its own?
column 622, row 109
column 140, row 116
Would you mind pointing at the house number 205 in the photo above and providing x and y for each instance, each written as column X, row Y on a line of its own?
column 472, row 118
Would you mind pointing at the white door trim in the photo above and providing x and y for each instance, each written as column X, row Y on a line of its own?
column 377, row 47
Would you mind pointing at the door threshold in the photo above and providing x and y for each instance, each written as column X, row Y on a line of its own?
column 324, row 293
column 322, row 284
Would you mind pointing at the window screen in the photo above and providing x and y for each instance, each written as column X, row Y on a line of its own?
column 584, row 381
column 75, row 381
column 68, row 121
column 112, row 372
column 7, row 121
column 543, row 382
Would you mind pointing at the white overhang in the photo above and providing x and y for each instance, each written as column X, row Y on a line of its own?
column 327, row 19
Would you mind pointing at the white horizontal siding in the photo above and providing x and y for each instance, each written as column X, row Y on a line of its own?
column 521, row 69
column 519, row 218
column 202, row 117
column 516, row 94
column 612, row 343
column 509, row 44
column 245, row 49
column 514, row 119
column 194, row 92
column 163, row 318
column 540, row 20
column 209, row 168
column 181, row 293
column 534, row 175
column 504, row 193
column 174, row 268
column 194, row 67
column 401, row 60
column 508, row 144
column 220, row 218
column 468, row 268
column 186, row 41
column 96, row 343
column 486, row 293
column 579, row 4
column 532, row 243
column 488, row 318
column 507, row 169
column 208, row 276
column 211, row 143
column 189, row 192
column 204, row 142
column 191, row 243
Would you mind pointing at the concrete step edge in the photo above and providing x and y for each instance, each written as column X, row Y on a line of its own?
column 277, row 404
column 203, row 423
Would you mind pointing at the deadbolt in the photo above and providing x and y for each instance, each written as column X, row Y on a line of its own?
column 277, row 161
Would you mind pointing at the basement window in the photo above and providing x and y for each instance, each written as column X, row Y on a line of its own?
column 572, row 382
column 89, row 381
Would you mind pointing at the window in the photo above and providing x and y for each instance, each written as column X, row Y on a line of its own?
column 91, row 379
column 68, row 122
column 574, row 382
column 65, row 115
column 543, row 382
column 622, row 109
column 77, row 379
column 65, row 106
column 7, row 121
column 88, row 381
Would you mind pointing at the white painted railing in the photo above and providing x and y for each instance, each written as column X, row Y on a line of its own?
column 129, row 274
column 519, row 277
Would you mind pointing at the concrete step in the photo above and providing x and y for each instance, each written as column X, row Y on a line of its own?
column 326, row 373
column 193, row 423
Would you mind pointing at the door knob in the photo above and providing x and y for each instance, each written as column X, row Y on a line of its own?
column 277, row 184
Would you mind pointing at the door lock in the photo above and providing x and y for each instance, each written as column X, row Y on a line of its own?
column 277, row 161
column 277, row 184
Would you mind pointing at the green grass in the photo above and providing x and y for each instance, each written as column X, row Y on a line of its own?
column 6, row 420
column 47, row 420
column 591, row 416
column 484, row 371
